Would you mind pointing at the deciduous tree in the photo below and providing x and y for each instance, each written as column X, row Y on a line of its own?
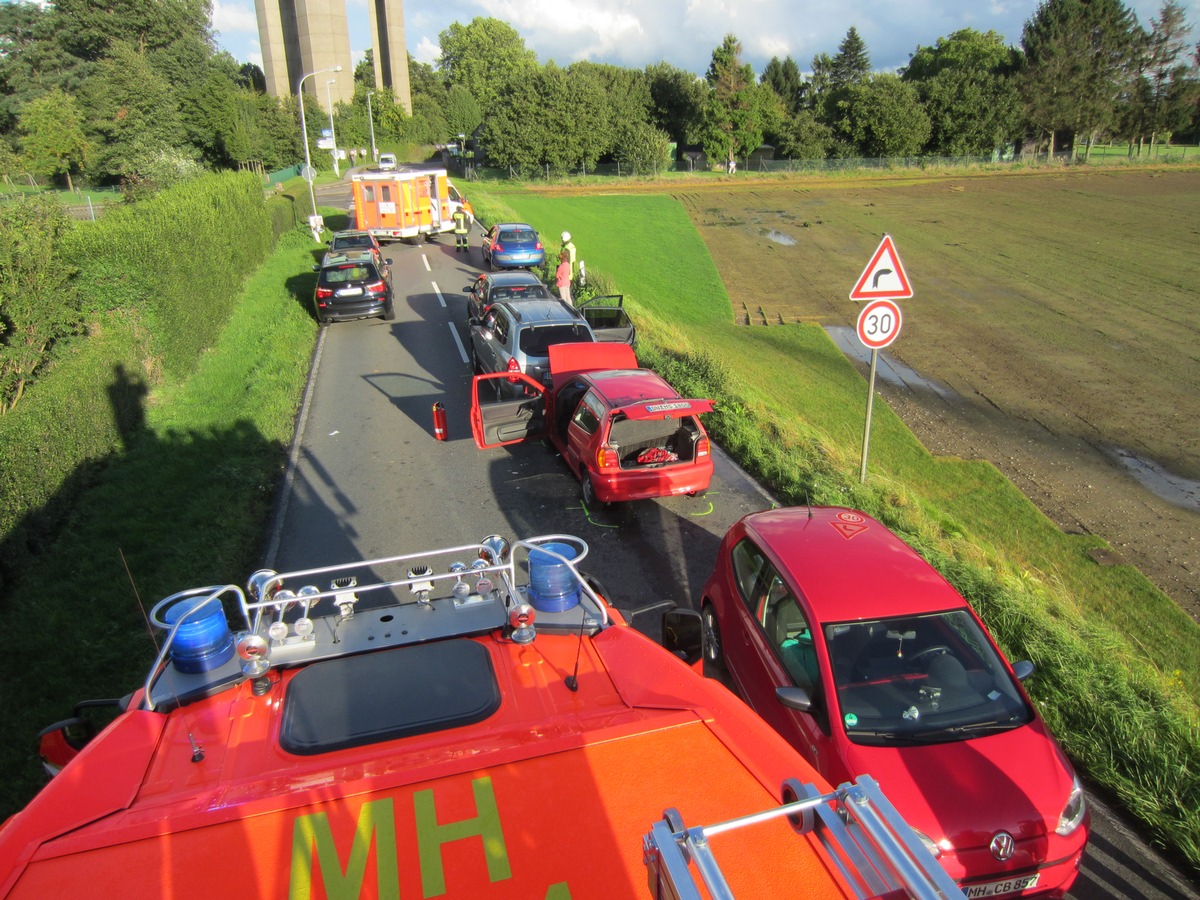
column 642, row 149
column 967, row 87
column 38, row 305
column 130, row 105
column 882, row 116
column 487, row 57
column 676, row 101
column 53, row 140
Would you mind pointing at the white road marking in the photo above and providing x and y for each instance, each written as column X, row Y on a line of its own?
column 437, row 290
column 462, row 352
column 425, row 259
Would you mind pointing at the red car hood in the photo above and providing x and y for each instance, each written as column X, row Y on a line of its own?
column 966, row 791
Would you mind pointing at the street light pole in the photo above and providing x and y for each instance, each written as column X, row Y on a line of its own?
column 329, row 97
column 371, row 121
column 304, row 131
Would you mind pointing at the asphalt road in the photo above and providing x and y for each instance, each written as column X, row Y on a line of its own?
column 369, row 479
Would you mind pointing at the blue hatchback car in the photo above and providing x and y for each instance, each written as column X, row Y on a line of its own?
column 512, row 245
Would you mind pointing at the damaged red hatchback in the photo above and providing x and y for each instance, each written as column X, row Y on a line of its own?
column 624, row 431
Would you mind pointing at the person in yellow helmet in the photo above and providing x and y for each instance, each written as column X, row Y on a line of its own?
column 569, row 247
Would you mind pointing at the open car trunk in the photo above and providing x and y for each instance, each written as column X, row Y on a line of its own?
column 652, row 443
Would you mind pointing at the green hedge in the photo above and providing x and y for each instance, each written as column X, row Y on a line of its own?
column 74, row 418
column 179, row 258
column 157, row 281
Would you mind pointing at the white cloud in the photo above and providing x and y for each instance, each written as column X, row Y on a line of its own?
column 635, row 33
column 233, row 17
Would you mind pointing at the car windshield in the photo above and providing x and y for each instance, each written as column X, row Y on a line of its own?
column 921, row 679
column 537, row 341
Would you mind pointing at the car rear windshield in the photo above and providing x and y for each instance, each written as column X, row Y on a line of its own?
column 357, row 240
column 536, row 341
column 518, row 236
column 345, row 274
column 520, row 292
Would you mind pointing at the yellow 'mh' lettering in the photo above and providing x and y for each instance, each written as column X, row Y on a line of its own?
column 375, row 820
column 431, row 836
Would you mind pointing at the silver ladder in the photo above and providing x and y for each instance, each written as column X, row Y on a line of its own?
column 867, row 840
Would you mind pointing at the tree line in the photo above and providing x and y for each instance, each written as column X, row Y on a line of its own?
column 134, row 94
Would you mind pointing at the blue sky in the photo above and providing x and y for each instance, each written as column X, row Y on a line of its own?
column 635, row 33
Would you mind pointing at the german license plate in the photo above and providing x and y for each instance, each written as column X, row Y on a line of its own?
column 999, row 888
column 350, row 292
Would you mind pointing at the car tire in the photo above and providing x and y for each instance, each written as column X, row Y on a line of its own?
column 389, row 312
column 714, row 654
column 475, row 366
column 590, row 500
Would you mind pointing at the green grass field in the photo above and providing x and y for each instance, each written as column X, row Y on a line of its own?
column 1118, row 664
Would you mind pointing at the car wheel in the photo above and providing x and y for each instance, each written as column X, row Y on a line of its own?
column 389, row 312
column 475, row 367
column 590, row 500
column 697, row 493
column 491, row 264
column 714, row 655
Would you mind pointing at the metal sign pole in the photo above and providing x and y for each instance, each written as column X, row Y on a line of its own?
column 862, row 477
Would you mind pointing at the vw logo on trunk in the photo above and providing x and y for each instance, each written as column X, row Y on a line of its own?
column 1002, row 846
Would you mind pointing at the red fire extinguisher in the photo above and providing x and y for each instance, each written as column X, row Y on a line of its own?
column 439, row 421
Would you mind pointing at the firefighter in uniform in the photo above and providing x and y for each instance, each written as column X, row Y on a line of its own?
column 462, row 228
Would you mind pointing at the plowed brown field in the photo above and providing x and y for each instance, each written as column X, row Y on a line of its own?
column 1057, row 315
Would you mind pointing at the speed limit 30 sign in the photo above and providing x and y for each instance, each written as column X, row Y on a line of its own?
column 879, row 324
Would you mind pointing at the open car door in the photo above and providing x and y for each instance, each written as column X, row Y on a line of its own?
column 496, row 421
column 569, row 360
column 608, row 319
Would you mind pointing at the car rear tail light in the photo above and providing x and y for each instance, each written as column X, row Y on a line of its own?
column 606, row 457
column 702, row 447
column 375, row 286
column 538, row 246
column 496, row 248
column 513, row 366
column 324, row 293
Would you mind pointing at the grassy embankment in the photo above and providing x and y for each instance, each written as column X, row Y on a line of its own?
column 1118, row 682
column 186, row 503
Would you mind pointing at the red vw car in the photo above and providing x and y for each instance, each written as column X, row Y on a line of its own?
column 868, row 661
column 624, row 431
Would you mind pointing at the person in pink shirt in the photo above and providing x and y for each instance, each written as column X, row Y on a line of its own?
column 562, row 277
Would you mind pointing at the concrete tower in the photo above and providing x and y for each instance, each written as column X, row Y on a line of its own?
column 391, row 55
column 303, row 36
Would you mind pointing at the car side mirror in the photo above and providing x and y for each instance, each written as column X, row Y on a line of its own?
column 1023, row 669
column 794, row 698
column 474, row 320
column 683, row 634
column 316, row 268
column 387, row 262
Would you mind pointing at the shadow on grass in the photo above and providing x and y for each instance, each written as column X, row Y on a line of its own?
column 167, row 512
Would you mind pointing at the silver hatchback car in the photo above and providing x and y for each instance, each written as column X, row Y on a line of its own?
column 516, row 335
